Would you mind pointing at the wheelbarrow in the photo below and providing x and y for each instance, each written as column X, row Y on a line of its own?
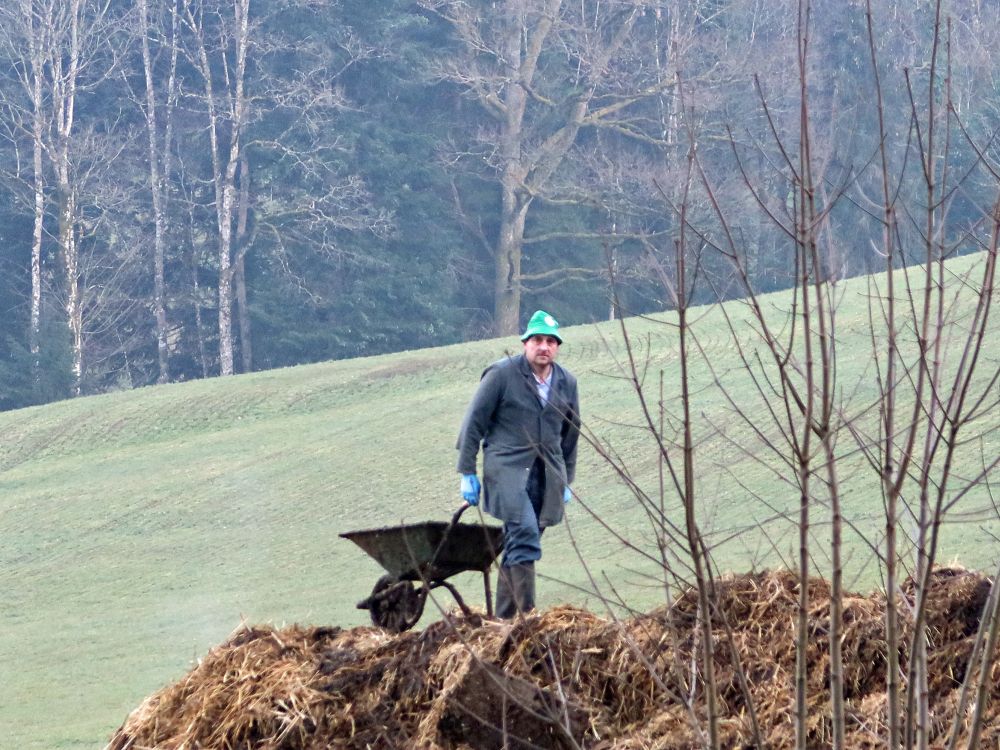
column 428, row 553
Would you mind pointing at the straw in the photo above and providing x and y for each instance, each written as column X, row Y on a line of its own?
column 637, row 681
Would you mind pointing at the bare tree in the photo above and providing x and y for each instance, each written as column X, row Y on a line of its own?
column 60, row 50
column 913, row 452
column 541, row 73
column 23, row 42
column 159, row 149
column 226, row 121
column 259, row 116
column 928, row 327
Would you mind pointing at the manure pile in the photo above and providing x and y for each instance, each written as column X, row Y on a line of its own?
column 610, row 686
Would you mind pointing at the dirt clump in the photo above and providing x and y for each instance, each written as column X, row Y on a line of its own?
column 568, row 678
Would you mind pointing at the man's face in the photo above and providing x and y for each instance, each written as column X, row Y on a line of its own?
column 541, row 351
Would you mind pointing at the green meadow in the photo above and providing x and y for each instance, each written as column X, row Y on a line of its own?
column 140, row 528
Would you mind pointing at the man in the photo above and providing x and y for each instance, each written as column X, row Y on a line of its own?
column 526, row 415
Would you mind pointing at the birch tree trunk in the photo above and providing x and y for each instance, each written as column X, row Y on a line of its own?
column 191, row 261
column 156, row 178
column 64, row 61
column 224, row 175
column 38, row 186
column 241, row 10
column 246, row 345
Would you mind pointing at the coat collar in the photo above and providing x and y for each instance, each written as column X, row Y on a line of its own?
column 529, row 378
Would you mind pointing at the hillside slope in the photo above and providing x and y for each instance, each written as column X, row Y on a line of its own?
column 142, row 527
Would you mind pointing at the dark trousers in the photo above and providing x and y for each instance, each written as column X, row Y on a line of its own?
column 522, row 536
column 522, row 546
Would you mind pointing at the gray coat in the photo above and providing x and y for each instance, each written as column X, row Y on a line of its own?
column 507, row 417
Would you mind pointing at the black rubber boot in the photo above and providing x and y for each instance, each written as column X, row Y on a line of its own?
column 515, row 590
column 523, row 580
column 505, row 607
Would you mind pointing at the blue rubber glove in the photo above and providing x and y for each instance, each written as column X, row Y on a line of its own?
column 567, row 494
column 469, row 489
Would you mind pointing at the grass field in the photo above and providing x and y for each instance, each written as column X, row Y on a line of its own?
column 140, row 528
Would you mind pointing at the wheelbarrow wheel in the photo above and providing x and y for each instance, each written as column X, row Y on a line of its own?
column 396, row 605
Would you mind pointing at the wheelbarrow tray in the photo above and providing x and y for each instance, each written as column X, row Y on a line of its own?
column 431, row 551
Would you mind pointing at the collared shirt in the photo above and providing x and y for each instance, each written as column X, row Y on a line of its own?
column 544, row 386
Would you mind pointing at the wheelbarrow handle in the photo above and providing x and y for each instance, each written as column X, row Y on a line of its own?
column 451, row 525
column 458, row 513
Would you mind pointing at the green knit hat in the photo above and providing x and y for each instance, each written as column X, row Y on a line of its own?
column 542, row 324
